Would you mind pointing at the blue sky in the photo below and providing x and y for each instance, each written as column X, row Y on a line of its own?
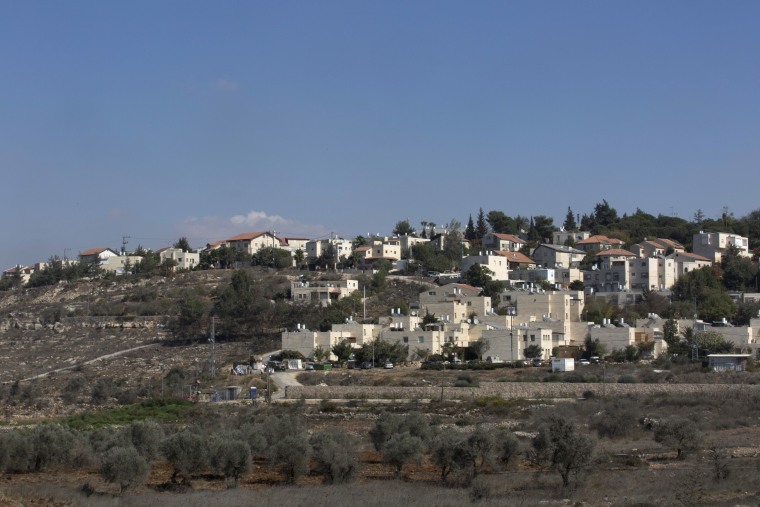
column 161, row 119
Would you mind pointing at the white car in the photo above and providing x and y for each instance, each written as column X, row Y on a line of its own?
column 388, row 365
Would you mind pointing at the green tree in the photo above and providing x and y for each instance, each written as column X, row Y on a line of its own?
column 478, row 275
column 403, row 448
column 187, row 454
column 480, row 347
column 335, row 455
column 576, row 285
column 739, row 273
column 444, row 451
column 569, row 223
column 293, row 453
column 231, row 457
column 501, row 223
column 342, row 350
column 469, row 231
column 183, row 244
column 124, row 466
column 404, row 228
column 679, row 433
column 145, row 437
column 481, row 226
column 533, row 351
column 562, row 447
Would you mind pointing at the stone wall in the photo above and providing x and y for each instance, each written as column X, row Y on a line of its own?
column 517, row 390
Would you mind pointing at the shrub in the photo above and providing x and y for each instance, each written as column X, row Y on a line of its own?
column 466, row 381
column 627, row 379
column 102, row 391
column 124, row 466
column 617, row 420
column 72, row 389
column 480, row 490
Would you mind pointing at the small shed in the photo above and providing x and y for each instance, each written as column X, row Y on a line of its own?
column 728, row 362
column 563, row 364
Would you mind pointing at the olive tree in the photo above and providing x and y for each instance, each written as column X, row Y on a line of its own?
column 562, row 447
column 186, row 452
column 679, row 433
column 403, row 448
column 335, row 455
column 124, row 466
column 230, row 457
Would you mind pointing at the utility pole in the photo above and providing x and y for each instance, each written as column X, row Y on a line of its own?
column 212, row 339
column 124, row 241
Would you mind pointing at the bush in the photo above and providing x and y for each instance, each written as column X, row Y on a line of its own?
column 466, row 381
column 72, row 389
column 102, row 391
column 627, row 379
column 617, row 420
column 124, row 466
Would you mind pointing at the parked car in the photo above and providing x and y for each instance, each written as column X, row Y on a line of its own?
column 537, row 361
column 584, row 362
column 366, row 365
column 388, row 365
column 309, row 367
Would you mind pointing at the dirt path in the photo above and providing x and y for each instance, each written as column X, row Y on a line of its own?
column 89, row 361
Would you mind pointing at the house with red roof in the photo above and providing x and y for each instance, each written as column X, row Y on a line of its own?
column 502, row 242
column 599, row 243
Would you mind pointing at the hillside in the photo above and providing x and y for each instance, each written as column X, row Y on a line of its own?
column 72, row 347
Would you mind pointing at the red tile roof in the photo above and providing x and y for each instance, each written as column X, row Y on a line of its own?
column 604, row 240
column 94, row 251
column 615, row 252
column 247, row 236
column 517, row 257
column 508, row 237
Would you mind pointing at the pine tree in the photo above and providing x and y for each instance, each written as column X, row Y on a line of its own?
column 570, row 224
column 469, row 232
column 482, row 226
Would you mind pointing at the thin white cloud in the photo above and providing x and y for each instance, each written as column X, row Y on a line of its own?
column 226, row 85
column 208, row 229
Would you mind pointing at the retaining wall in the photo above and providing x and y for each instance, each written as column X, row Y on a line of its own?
column 517, row 390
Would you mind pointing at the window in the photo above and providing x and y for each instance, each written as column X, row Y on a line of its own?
column 406, row 339
column 421, row 339
column 532, row 337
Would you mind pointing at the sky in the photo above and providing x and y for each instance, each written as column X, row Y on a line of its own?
column 154, row 120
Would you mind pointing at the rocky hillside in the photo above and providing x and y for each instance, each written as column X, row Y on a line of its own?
column 70, row 347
